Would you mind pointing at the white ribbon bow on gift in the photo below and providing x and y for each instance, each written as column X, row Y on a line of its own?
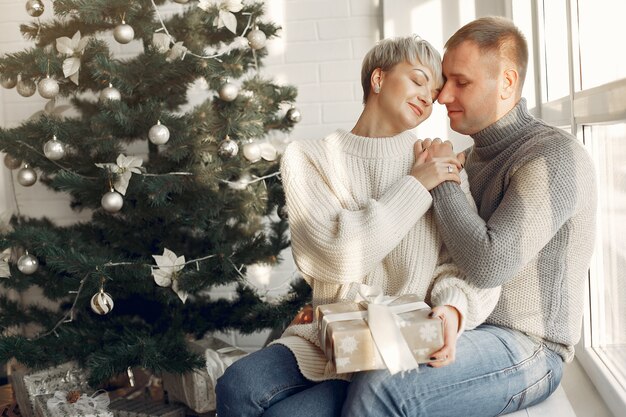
column 85, row 405
column 382, row 322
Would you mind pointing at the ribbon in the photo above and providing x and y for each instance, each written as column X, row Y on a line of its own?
column 86, row 404
column 381, row 317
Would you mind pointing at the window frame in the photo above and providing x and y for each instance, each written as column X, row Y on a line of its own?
column 593, row 106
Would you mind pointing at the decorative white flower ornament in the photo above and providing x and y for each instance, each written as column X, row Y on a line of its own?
column 124, row 167
column 166, row 274
column 226, row 9
column 75, row 48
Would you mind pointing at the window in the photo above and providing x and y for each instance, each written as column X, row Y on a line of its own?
column 607, row 144
column 582, row 88
column 601, row 44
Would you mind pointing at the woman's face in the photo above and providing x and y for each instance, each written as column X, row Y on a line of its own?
column 406, row 95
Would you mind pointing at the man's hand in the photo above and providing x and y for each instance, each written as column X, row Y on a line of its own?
column 451, row 318
column 304, row 316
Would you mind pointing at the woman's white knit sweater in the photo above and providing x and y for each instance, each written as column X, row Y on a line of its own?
column 357, row 217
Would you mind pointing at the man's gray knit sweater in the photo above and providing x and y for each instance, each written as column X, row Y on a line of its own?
column 534, row 186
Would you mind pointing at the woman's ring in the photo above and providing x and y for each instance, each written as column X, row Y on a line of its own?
column 449, row 169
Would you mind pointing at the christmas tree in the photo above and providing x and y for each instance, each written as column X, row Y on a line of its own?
column 182, row 200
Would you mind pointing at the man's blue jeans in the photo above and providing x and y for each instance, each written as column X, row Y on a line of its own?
column 497, row 371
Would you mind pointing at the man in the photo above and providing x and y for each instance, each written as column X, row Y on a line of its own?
column 533, row 235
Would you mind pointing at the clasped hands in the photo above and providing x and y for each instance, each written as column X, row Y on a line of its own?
column 436, row 162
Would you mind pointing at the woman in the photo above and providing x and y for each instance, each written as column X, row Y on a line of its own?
column 359, row 213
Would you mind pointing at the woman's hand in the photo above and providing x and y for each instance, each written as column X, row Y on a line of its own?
column 433, row 171
column 304, row 316
column 447, row 354
column 438, row 148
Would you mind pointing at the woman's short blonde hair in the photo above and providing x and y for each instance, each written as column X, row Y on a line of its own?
column 389, row 52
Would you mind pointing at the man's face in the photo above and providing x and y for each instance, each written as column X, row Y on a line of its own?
column 471, row 92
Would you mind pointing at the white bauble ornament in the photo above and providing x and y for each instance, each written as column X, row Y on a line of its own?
column 26, row 176
column 110, row 94
column 12, row 163
column 228, row 148
column 8, row 82
column 34, row 8
column 48, row 87
column 26, row 88
column 27, row 264
column 124, row 33
column 256, row 39
column 252, row 151
column 228, row 91
column 54, row 149
column 112, row 201
column 293, row 115
column 268, row 151
column 159, row 134
column 101, row 302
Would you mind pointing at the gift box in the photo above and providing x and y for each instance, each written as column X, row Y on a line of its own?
column 122, row 407
column 83, row 405
column 393, row 332
column 28, row 385
column 197, row 389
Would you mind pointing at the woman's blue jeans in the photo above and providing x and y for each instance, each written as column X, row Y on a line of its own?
column 497, row 371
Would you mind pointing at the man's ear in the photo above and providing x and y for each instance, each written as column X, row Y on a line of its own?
column 510, row 78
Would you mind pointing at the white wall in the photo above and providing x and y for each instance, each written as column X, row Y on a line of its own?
column 319, row 52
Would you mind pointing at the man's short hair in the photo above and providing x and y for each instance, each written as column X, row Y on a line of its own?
column 495, row 34
column 389, row 52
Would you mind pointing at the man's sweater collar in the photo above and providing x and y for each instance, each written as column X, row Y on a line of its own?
column 500, row 135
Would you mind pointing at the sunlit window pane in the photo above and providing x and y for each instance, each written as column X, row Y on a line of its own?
column 602, row 31
column 607, row 144
column 522, row 17
column 555, row 54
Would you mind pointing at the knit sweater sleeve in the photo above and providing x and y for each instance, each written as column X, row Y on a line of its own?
column 543, row 192
column 451, row 288
column 338, row 244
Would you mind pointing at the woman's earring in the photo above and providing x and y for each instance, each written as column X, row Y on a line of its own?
column 377, row 88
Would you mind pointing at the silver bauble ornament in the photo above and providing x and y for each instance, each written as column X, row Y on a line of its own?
column 110, row 94
column 34, row 8
column 112, row 201
column 27, row 264
column 293, row 115
column 228, row 148
column 256, row 39
column 229, row 91
column 8, row 82
column 12, row 163
column 101, row 302
column 26, row 176
column 124, row 33
column 54, row 149
column 48, row 87
column 26, row 88
column 159, row 134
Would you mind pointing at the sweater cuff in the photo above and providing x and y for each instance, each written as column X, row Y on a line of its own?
column 444, row 189
column 455, row 298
